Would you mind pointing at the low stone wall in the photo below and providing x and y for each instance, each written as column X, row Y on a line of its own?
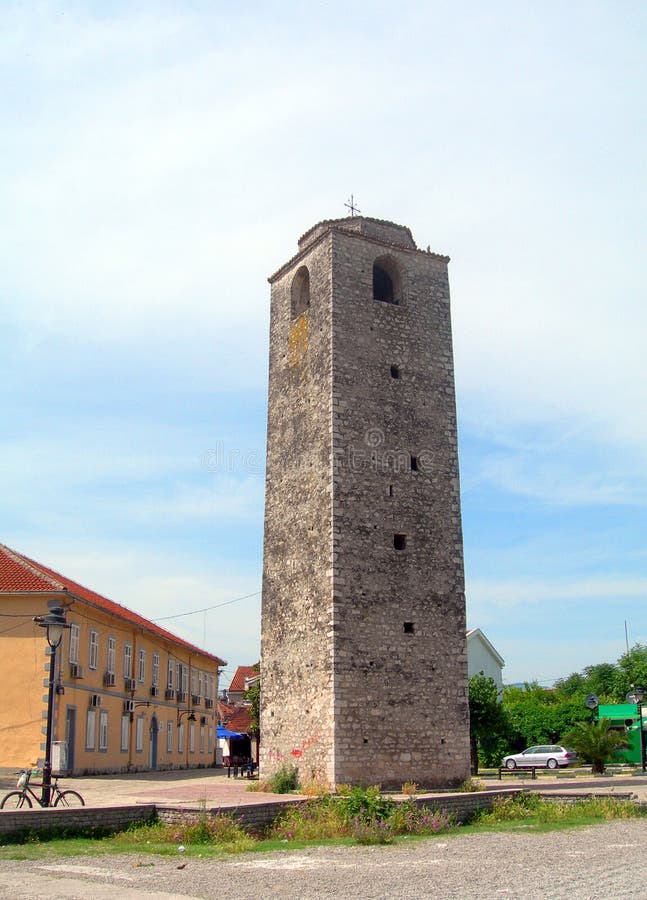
column 42, row 821
column 261, row 815
column 257, row 816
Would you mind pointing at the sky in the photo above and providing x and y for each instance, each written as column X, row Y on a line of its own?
column 160, row 161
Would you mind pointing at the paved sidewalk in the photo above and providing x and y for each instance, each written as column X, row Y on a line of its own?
column 194, row 787
column 184, row 787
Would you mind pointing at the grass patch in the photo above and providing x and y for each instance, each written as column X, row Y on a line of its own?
column 284, row 781
column 354, row 816
column 530, row 812
column 358, row 813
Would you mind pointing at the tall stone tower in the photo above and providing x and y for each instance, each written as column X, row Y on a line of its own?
column 363, row 657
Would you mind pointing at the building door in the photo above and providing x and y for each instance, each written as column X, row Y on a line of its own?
column 70, row 735
column 153, row 743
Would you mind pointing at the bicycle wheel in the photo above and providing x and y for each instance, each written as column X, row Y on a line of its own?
column 69, row 798
column 16, row 800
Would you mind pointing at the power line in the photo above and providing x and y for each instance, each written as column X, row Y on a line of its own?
column 19, row 615
column 207, row 608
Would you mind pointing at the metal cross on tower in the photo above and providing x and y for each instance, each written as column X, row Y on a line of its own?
column 351, row 206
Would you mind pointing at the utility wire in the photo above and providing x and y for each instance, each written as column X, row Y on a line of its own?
column 207, row 608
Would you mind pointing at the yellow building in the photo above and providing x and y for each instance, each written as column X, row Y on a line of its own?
column 129, row 695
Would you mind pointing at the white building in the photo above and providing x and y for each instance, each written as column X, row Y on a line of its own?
column 482, row 657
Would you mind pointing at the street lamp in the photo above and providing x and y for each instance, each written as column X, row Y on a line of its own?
column 185, row 712
column 636, row 695
column 55, row 624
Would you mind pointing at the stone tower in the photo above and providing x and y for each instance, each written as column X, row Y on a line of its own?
column 363, row 658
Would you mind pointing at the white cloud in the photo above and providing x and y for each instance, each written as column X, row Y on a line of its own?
column 489, row 596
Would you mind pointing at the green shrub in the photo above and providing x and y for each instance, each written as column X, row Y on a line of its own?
column 202, row 828
column 372, row 831
column 284, row 780
column 407, row 818
column 310, row 821
column 508, row 809
column 363, row 803
column 470, row 785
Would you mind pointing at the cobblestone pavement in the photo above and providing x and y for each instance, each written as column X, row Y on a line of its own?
column 604, row 862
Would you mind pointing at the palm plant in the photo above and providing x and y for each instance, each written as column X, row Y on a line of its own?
column 595, row 742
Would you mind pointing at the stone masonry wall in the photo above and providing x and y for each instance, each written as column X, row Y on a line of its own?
column 401, row 711
column 296, row 646
column 363, row 660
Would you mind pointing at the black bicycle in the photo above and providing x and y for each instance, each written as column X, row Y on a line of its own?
column 23, row 798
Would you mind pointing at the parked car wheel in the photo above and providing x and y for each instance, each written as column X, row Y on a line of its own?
column 511, row 764
column 552, row 763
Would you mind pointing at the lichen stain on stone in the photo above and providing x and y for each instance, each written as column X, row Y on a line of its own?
column 298, row 341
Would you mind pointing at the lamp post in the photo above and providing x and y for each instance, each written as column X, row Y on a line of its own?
column 55, row 624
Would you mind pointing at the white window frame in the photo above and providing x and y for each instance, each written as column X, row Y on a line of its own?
column 139, row 734
column 103, row 729
column 75, row 633
column 111, row 657
column 169, row 674
column 141, row 665
column 194, row 681
column 125, row 733
column 185, row 679
column 93, row 650
column 91, row 729
column 202, row 738
column 169, row 736
column 180, row 738
column 191, row 737
column 200, row 684
column 128, row 660
column 155, row 672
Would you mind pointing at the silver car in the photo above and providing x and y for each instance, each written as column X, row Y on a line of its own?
column 545, row 755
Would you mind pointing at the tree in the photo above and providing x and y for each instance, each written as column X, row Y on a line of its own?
column 488, row 722
column 632, row 671
column 540, row 716
column 574, row 685
column 595, row 742
column 602, row 680
column 253, row 696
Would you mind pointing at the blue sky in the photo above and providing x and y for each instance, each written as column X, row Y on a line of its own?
column 160, row 160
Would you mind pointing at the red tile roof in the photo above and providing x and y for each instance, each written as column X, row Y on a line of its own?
column 240, row 720
column 19, row 574
column 241, row 673
column 235, row 718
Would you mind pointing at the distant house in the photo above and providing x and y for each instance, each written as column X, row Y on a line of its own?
column 233, row 713
column 244, row 677
column 482, row 657
column 129, row 695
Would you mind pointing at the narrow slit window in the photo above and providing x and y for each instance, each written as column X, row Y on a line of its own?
column 399, row 541
column 390, row 490
column 409, row 628
column 395, row 372
column 414, row 463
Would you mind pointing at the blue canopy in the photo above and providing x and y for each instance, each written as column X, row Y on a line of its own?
column 225, row 733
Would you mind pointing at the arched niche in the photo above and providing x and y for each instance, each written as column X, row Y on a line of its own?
column 300, row 292
column 387, row 284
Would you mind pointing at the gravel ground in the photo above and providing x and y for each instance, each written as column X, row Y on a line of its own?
column 605, row 861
